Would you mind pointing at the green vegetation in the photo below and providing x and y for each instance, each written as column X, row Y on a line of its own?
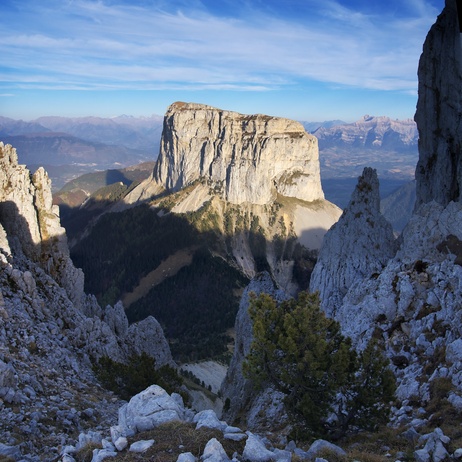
column 195, row 307
column 127, row 380
column 123, row 247
column 303, row 354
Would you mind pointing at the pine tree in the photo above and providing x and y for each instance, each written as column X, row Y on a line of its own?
column 303, row 354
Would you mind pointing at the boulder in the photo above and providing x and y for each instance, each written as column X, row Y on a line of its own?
column 141, row 446
column 148, row 409
column 323, row 446
column 214, row 452
column 255, row 450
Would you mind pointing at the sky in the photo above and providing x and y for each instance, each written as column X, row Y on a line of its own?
column 309, row 60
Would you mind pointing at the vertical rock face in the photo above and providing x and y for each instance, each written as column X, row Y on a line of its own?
column 50, row 330
column 357, row 246
column 236, row 388
column 32, row 222
column 248, row 158
column 439, row 111
column 413, row 304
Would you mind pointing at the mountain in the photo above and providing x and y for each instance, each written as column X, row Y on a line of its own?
column 11, row 127
column 52, row 148
column 70, row 147
column 51, row 330
column 139, row 133
column 311, row 127
column 389, row 146
column 231, row 193
column 411, row 305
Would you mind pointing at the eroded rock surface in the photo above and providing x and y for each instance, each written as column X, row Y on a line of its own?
column 247, row 158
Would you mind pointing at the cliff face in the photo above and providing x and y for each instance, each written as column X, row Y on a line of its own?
column 248, row 158
column 254, row 177
column 50, row 330
column 412, row 305
column 356, row 247
column 32, row 222
column 439, row 112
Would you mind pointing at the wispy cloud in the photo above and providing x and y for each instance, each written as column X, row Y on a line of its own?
column 108, row 45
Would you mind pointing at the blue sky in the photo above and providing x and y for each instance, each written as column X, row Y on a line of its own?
column 310, row 60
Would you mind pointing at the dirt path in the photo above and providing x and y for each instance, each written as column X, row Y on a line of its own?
column 167, row 268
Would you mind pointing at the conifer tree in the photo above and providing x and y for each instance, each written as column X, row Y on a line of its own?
column 303, row 354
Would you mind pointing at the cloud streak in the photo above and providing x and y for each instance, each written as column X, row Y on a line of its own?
column 114, row 45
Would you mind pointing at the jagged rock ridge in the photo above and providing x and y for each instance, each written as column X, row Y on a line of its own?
column 413, row 304
column 50, row 330
column 371, row 133
column 356, row 247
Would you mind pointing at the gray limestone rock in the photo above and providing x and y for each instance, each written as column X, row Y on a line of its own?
column 250, row 158
column 255, row 450
column 208, row 419
column 321, row 446
column 214, row 452
column 147, row 336
column 141, row 446
column 148, row 409
column 358, row 246
column 439, row 113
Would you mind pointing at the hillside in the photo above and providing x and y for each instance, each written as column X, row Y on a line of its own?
column 189, row 215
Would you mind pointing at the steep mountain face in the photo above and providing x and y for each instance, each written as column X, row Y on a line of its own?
column 412, row 305
column 258, row 173
column 398, row 206
column 372, row 133
column 356, row 247
column 439, row 116
column 50, row 330
column 250, row 158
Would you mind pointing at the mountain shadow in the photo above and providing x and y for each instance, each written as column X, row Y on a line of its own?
column 181, row 269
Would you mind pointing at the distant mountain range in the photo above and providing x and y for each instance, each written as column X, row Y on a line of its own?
column 70, row 147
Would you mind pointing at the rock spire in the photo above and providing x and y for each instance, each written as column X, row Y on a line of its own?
column 248, row 158
column 439, row 111
column 357, row 246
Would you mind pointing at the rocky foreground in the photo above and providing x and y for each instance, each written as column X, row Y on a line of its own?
column 154, row 408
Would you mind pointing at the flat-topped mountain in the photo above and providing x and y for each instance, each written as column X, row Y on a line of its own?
column 237, row 193
column 249, row 158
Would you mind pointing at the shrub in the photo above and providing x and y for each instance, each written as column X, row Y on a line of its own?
column 126, row 380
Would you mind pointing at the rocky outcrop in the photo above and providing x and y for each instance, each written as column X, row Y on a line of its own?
column 50, row 330
column 31, row 222
column 247, row 158
column 439, row 111
column 237, row 391
column 412, row 305
column 358, row 246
